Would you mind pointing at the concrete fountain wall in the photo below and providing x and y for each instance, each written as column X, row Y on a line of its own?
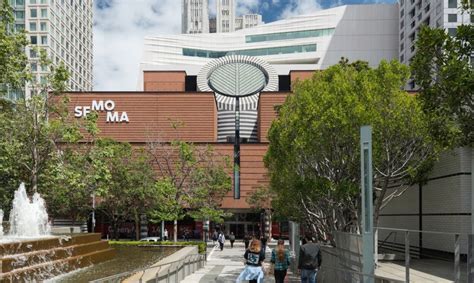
column 40, row 259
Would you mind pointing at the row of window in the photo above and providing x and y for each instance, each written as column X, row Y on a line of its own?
column 250, row 52
column 451, row 3
column 22, row 2
column 289, row 35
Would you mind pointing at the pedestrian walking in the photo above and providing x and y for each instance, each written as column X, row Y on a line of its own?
column 246, row 241
column 254, row 256
column 232, row 239
column 264, row 243
column 214, row 237
column 280, row 261
column 221, row 240
column 165, row 235
column 309, row 260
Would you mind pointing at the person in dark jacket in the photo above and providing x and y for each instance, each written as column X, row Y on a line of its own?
column 309, row 260
column 264, row 243
column 247, row 241
column 232, row 239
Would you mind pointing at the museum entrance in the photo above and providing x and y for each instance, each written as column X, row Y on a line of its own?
column 242, row 224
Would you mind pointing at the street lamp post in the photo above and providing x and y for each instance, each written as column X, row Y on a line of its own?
column 237, row 80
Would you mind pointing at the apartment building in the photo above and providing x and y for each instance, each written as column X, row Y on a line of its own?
column 445, row 14
column 64, row 29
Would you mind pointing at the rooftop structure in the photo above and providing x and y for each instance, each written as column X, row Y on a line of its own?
column 365, row 32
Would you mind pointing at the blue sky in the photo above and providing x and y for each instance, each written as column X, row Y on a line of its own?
column 272, row 10
column 121, row 25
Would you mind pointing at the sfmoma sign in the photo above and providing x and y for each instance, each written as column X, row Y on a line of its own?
column 107, row 106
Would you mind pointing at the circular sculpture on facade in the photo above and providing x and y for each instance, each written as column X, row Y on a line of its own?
column 237, row 75
column 237, row 79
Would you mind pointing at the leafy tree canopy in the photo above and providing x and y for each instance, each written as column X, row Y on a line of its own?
column 314, row 157
column 443, row 70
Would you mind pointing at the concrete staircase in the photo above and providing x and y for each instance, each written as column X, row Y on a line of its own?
column 40, row 259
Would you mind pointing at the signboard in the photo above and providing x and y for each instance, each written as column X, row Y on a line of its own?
column 107, row 106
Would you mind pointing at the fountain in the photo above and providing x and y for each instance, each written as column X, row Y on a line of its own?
column 28, row 218
column 29, row 252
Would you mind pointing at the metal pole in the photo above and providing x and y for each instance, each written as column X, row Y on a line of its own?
column 237, row 150
column 457, row 259
column 367, row 203
column 93, row 212
column 470, row 259
column 407, row 256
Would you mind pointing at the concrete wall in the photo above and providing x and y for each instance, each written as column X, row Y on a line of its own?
column 445, row 205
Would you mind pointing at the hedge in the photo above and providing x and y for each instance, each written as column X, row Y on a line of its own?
column 201, row 245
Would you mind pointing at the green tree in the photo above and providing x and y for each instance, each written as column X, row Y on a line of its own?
column 124, row 182
column 314, row 155
column 13, row 60
column 192, row 180
column 443, row 69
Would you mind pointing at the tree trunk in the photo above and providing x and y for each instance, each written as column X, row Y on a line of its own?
column 175, row 230
column 35, row 165
column 137, row 228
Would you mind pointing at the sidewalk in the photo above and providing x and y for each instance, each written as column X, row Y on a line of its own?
column 225, row 266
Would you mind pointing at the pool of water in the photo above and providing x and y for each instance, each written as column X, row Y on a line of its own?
column 128, row 258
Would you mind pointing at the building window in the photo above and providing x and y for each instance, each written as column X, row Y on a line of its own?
column 288, row 35
column 33, row 53
column 452, row 18
column 402, row 46
column 20, row 2
column 452, row 31
column 44, row 39
column 412, row 13
column 33, row 13
column 34, row 67
column 402, row 13
column 44, row 1
column 43, row 26
column 402, row 58
column 32, row 1
column 32, row 26
column 452, row 3
column 44, row 13
column 19, row 27
column 34, row 39
column 402, row 35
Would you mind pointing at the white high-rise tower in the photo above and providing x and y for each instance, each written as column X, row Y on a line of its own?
column 225, row 16
column 445, row 14
column 195, row 16
column 64, row 30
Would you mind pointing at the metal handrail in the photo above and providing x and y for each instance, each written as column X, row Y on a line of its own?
column 386, row 238
column 419, row 231
column 189, row 259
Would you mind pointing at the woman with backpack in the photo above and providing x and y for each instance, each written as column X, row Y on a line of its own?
column 281, row 261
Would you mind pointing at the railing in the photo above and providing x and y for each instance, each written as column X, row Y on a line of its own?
column 168, row 272
column 443, row 237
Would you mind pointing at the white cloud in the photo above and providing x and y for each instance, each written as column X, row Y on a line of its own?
column 299, row 7
column 247, row 6
column 118, row 38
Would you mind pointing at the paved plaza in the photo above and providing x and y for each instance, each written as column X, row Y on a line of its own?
column 225, row 266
